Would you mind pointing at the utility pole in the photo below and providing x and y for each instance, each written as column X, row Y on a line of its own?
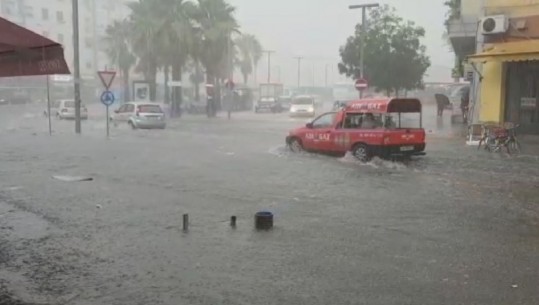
column 363, row 8
column 269, row 63
column 299, row 58
column 327, row 75
column 76, row 64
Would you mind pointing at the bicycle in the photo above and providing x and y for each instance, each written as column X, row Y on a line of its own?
column 495, row 138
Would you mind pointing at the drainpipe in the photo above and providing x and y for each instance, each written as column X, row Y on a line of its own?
column 476, row 92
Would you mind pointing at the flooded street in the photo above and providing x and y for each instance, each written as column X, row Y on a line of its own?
column 459, row 226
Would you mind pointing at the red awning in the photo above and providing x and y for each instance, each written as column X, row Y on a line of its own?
column 23, row 52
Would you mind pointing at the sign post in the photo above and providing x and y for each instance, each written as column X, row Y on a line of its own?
column 107, row 97
column 361, row 84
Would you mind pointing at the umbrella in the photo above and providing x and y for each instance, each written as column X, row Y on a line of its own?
column 23, row 52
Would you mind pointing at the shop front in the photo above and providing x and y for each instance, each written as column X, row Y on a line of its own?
column 510, row 84
column 522, row 95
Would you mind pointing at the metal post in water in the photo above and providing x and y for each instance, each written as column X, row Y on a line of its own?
column 233, row 221
column 185, row 222
column 49, row 105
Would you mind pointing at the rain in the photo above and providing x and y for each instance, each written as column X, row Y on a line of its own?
column 280, row 152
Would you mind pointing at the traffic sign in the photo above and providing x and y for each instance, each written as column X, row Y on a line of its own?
column 107, row 77
column 361, row 84
column 107, row 98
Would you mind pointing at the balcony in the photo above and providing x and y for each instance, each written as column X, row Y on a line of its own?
column 462, row 33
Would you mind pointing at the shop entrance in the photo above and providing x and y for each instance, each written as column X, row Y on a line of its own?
column 522, row 96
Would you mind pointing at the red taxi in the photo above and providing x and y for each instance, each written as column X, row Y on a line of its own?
column 383, row 127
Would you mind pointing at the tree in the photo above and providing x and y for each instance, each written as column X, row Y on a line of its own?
column 145, row 24
column 395, row 59
column 454, row 10
column 176, row 36
column 215, row 23
column 119, row 52
column 250, row 52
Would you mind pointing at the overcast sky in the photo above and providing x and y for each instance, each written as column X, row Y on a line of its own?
column 315, row 29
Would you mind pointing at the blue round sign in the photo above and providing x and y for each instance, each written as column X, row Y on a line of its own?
column 107, row 98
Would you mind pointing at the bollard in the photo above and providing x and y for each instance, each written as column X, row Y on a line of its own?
column 185, row 222
column 264, row 221
column 233, row 221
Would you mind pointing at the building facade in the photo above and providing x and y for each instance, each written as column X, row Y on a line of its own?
column 506, row 62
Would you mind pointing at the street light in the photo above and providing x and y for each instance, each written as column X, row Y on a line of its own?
column 299, row 58
column 363, row 8
column 269, row 63
column 278, row 69
column 76, row 64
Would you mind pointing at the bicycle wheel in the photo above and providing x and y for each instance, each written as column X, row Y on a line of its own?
column 514, row 146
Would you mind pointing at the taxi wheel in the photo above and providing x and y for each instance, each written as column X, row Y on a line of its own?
column 295, row 145
column 362, row 152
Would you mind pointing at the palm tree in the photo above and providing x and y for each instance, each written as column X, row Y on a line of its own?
column 250, row 51
column 178, row 34
column 119, row 52
column 145, row 25
column 215, row 24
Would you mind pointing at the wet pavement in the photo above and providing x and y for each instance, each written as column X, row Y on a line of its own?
column 459, row 226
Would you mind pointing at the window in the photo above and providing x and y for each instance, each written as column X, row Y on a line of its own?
column 61, row 38
column 122, row 108
column 45, row 13
column 129, row 108
column 324, row 121
column 303, row 101
column 150, row 109
column 29, row 11
column 363, row 121
column 60, row 16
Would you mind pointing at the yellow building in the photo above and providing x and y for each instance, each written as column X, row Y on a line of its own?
column 508, row 64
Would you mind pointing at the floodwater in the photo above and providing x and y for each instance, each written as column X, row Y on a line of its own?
column 459, row 226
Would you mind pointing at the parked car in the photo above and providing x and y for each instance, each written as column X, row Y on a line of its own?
column 65, row 110
column 140, row 115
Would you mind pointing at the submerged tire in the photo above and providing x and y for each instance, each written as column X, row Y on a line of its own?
column 362, row 152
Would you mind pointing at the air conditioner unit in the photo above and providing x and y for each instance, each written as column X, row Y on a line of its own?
column 492, row 25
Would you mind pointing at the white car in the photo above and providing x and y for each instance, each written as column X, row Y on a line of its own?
column 303, row 105
column 65, row 109
column 143, row 115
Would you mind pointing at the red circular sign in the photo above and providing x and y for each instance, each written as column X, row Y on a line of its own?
column 361, row 84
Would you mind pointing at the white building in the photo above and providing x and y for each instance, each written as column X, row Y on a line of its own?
column 52, row 18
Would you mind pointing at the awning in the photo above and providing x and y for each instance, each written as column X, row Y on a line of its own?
column 508, row 51
column 23, row 52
